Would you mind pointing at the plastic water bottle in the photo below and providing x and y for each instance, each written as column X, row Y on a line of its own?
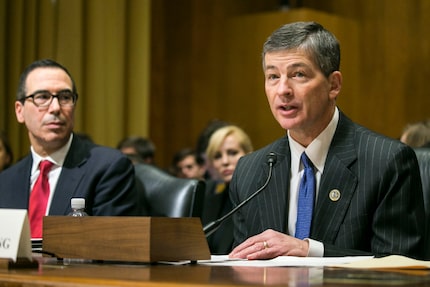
column 78, row 207
column 78, row 210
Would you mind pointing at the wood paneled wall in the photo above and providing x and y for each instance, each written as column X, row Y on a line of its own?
column 188, row 49
column 384, row 62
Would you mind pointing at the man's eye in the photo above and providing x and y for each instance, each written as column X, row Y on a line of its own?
column 42, row 96
column 272, row 77
column 65, row 95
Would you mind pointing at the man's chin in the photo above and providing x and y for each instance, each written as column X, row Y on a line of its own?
column 286, row 125
column 56, row 139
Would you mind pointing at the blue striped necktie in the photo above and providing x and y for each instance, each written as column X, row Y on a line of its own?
column 306, row 199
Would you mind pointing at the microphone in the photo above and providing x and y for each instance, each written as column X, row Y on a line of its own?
column 214, row 225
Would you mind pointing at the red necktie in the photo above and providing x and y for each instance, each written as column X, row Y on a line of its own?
column 39, row 199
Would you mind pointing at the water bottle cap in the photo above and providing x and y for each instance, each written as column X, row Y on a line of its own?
column 78, row 203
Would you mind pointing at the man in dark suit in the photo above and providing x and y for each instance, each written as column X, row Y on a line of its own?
column 367, row 190
column 45, row 103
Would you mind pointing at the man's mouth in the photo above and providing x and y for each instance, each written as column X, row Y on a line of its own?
column 287, row 108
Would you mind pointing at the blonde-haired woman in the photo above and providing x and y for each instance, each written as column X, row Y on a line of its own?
column 226, row 146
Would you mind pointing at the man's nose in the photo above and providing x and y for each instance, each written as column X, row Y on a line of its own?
column 54, row 105
column 284, row 86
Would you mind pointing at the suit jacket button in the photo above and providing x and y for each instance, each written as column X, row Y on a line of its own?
column 334, row 195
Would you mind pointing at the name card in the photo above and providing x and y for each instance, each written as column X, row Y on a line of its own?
column 15, row 241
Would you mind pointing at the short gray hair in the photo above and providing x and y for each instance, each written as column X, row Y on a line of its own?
column 311, row 37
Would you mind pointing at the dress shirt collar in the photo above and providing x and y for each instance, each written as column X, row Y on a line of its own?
column 317, row 150
column 57, row 157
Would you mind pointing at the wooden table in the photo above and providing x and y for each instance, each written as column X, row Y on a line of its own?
column 51, row 272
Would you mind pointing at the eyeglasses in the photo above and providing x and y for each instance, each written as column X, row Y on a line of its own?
column 43, row 99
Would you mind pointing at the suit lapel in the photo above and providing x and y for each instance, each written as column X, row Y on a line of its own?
column 273, row 200
column 337, row 186
column 21, row 188
column 70, row 177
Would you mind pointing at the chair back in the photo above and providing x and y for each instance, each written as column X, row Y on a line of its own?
column 423, row 156
column 169, row 196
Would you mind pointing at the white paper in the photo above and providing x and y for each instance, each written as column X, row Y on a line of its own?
column 14, row 234
column 223, row 260
column 388, row 262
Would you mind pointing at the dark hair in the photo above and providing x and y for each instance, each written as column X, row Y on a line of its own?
column 4, row 139
column 310, row 37
column 203, row 139
column 144, row 148
column 183, row 153
column 45, row 63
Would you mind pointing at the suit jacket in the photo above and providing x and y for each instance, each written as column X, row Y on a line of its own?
column 101, row 175
column 380, row 210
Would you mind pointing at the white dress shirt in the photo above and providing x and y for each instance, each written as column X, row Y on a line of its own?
column 58, row 159
column 317, row 152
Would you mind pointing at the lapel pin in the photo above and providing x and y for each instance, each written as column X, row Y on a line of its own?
column 334, row 195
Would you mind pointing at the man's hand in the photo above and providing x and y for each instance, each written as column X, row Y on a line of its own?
column 270, row 244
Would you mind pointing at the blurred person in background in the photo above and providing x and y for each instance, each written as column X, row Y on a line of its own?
column 417, row 134
column 138, row 149
column 202, row 144
column 226, row 145
column 6, row 154
column 187, row 164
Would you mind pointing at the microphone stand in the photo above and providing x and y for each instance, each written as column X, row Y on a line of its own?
column 214, row 225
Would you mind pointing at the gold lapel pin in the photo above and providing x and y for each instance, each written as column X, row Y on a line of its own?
column 334, row 195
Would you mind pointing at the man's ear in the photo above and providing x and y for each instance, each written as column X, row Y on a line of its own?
column 19, row 109
column 335, row 80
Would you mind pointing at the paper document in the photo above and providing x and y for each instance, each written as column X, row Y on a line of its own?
column 388, row 262
column 223, row 260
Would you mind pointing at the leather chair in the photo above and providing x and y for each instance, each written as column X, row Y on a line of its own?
column 168, row 196
column 423, row 156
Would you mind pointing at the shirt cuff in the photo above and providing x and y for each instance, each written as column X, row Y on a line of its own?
column 316, row 248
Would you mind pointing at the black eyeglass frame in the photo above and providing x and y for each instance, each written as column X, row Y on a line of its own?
column 49, row 102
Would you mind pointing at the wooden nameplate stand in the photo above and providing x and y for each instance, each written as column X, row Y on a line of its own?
column 124, row 238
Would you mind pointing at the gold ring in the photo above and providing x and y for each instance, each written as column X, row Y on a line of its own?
column 265, row 245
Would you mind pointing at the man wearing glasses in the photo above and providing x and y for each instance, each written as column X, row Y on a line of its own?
column 60, row 165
